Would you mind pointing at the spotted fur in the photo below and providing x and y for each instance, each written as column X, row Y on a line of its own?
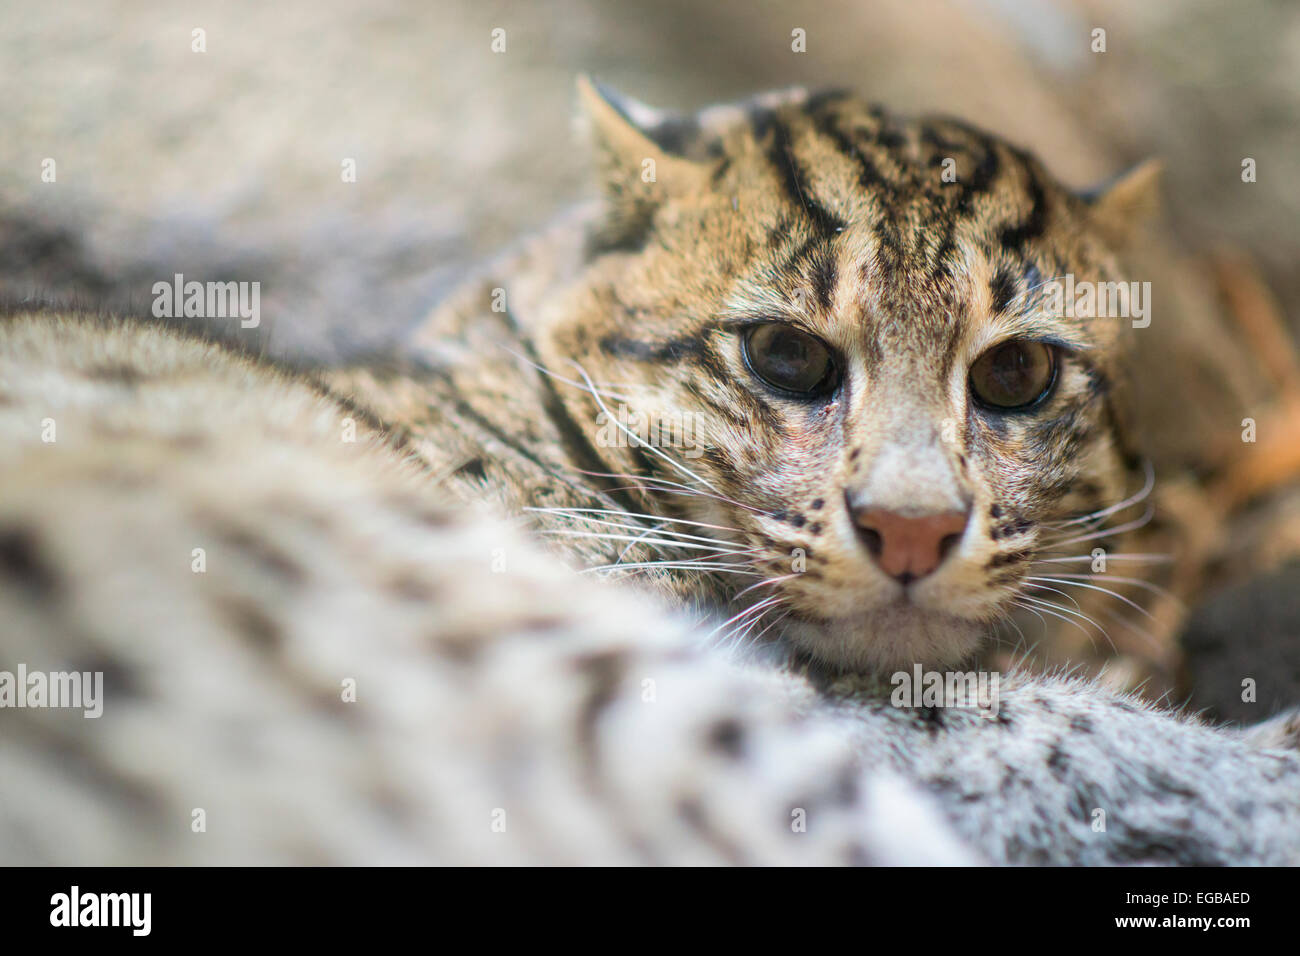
column 397, row 525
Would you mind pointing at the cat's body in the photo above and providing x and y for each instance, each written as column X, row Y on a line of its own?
column 306, row 635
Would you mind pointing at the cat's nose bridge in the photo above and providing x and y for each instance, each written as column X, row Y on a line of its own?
column 906, row 492
column 902, row 460
column 913, row 475
column 908, row 503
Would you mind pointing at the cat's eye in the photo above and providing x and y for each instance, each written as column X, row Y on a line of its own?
column 1012, row 375
column 790, row 360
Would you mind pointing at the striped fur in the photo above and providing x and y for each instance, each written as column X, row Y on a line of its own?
column 833, row 216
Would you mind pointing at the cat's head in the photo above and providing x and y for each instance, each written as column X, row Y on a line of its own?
column 835, row 330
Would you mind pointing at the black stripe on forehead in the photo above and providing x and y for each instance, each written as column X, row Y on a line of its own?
column 1003, row 290
column 829, row 126
column 1014, row 236
column 823, row 277
column 807, row 276
column 880, row 187
column 986, row 167
column 780, row 154
column 1010, row 280
column 887, row 133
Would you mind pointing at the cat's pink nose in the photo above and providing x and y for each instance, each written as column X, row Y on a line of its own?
column 908, row 548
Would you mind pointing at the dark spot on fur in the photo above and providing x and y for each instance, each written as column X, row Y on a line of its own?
column 410, row 587
column 817, row 504
column 728, row 736
column 1015, row 526
column 426, row 517
column 187, row 441
column 1004, row 558
column 932, row 717
column 1081, row 723
column 258, row 549
column 21, row 560
column 798, row 521
column 117, row 372
column 816, row 528
column 474, row 470
column 120, row 681
column 460, row 647
column 1009, row 779
column 846, row 786
column 856, row 855
column 252, row 622
column 689, row 809
column 1057, row 761
column 603, row 671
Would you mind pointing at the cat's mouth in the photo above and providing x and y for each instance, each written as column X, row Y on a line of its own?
column 890, row 637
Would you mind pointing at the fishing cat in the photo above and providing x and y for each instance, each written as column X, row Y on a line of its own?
column 341, row 617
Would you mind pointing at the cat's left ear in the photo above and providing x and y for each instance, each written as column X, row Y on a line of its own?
column 638, row 170
column 1120, row 207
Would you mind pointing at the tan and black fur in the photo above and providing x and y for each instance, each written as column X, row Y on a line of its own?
column 340, row 520
column 830, row 215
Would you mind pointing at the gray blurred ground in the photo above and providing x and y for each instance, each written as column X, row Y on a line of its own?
column 226, row 164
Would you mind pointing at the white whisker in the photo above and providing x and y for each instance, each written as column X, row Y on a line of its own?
column 763, row 584
column 604, row 536
column 681, row 535
column 752, row 609
column 568, row 381
column 1105, row 533
column 1152, row 558
column 675, row 566
column 1135, row 582
column 1057, row 610
column 681, row 489
column 632, row 435
column 631, row 514
column 1147, row 486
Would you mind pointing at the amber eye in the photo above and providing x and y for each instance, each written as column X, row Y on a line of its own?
column 1014, row 375
column 790, row 360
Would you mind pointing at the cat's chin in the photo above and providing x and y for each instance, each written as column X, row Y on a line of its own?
column 894, row 638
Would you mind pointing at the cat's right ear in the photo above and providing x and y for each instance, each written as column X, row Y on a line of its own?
column 638, row 173
column 1120, row 207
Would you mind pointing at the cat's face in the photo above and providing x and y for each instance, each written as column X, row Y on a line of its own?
column 854, row 367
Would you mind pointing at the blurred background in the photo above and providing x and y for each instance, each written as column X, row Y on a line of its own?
column 225, row 164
